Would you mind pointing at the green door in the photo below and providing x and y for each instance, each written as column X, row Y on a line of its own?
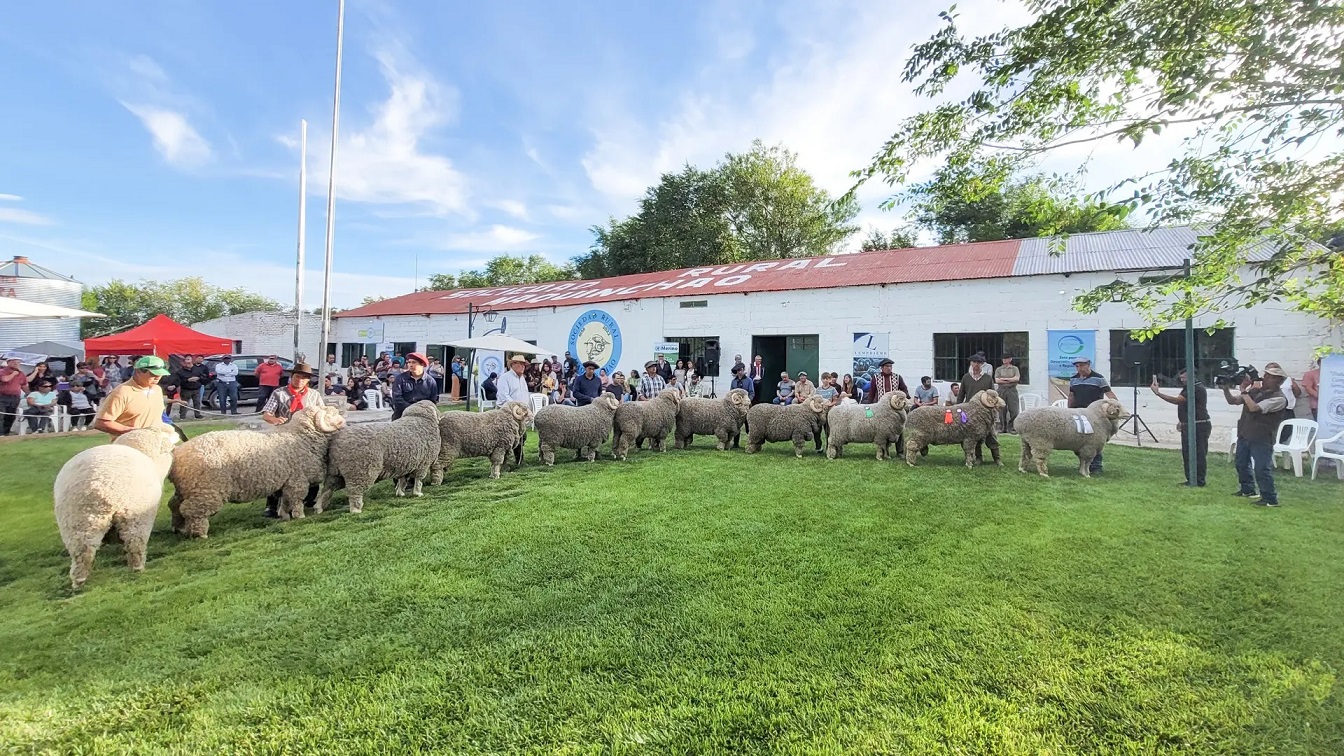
column 803, row 353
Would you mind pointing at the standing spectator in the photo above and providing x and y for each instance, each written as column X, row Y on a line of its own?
column 41, row 406
column 926, row 394
column 439, row 373
column 1311, row 386
column 78, row 405
column 1006, row 378
column 206, row 378
column 977, row 380
column 190, row 378
column 885, row 382
column 85, row 373
column 652, row 382
column 587, row 386
column 268, row 380
column 742, row 381
column 694, row 388
column 414, row 385
column 513, row 388
column 757, row 371
column 137, row 402
column 828, row 390
column 803, row 388
column 1199, row 435
column 737, row 360
column 41, row 372
column 112, row 372
column 280, row 406
column 680, row 373
column 550, row 384
column 13, row 384
column 1086, row 387
column 664, row 368
column 226, row 385
column 532, row 377
column 1261, row 410
column 783, row 390
column 333, row 371
column 382, row 366
column 632, row 383
column 571, row 365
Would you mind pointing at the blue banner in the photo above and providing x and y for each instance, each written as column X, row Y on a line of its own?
column 1067, row 346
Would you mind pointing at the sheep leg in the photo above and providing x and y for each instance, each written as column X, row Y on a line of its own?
column 833, row 449
column 1026, row 455
column 679, row 441
column 135, row 537
column 175, row 507
column 724, row 439
column 799, row 439
column 329, row 484
column 590, row 453
column 195, row 521
column 1085, row 465
column 883, row 448
column 418, row 487
column 912, row 450
column 443, row 465
column 400, row 489
column 291, row 499
column 619, row 444
column 497, row 462
column 81, row 561
column 1042, row 459
column 968, row 446
column 547, row 454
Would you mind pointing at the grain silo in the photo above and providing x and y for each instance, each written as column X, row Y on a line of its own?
column 21, row 279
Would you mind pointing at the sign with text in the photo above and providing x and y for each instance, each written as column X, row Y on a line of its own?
column 1330, row 408
column 869, row 350
column 667, row 349
column 1067, row 346
column 370, row 335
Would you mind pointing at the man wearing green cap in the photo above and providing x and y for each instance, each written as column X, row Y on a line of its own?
column 137, row 403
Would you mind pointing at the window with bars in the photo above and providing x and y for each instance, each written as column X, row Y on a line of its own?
column 693, row 348
column 1164, row 356
column 351, row 352
column 952, row 352
column 402, row 348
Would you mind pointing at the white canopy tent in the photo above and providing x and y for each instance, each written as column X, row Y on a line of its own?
column 20, row 308
column 497, row 342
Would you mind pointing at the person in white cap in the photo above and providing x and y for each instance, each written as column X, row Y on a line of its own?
column 1261, row 411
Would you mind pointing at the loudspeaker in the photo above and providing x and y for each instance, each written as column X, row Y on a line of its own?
column 1137, row 351
column 711, row 357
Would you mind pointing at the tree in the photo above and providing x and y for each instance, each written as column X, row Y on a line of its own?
column 899, row 238
column 1257, row 87
column 441, row 282
column 186, row 300
column 757, row 205
column 504, row 270
column 370, row 299
column 963, row 205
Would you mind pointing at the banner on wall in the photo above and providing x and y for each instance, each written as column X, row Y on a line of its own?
column 1330, row 408
column 869, row 350
column 371, row 335
column 667, row 349
column 1067, row 346
column 487, row 362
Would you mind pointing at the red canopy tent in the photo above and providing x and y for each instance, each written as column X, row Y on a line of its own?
column 160, row 336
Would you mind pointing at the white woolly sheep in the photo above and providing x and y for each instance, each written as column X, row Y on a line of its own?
column 970, row 423
column 232, row 466
column 799, row 422
column 112, row 487
column 583, row 429
column 721, row 418
column 361, row 455
column 636, row 421
column 490, row 434
column 1081, row 431
column 881, row 424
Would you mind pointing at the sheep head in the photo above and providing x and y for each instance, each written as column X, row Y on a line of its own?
column 991, row 399
column 897, row 400
column 738, row 398
column 1113, row 411
column 520, row 412
column 816, row 404
column 424, row 409
column 322, row 418
column 608, row 401
column 670, row 395
column 153, row 442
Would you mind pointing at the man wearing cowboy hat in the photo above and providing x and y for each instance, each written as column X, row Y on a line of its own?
column 1261, row 410
column 1086, row 387
column 283, row 402
column 414, row 385
column 512, row 387
column 587, row 386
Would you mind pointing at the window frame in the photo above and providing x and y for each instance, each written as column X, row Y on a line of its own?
column 992, row 343
column 1168, row 359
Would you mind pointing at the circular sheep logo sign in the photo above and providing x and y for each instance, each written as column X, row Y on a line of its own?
column 596, row 336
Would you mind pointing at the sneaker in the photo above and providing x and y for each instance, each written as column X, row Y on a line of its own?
column 271, row 513
column 1264, row 503
column 1246, row 495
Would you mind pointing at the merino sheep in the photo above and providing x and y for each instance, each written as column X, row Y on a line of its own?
column 967, row 424
column 583, row 429
column 636, row 421
column 1081, row 431
column 721, row 418
column 881, row 424
column 490, row 434
column 361, row 455
column 798, row 422
column 232, row 466
column 112, row 487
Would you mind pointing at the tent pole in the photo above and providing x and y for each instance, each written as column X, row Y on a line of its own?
column 331, row 184
column 303, row 224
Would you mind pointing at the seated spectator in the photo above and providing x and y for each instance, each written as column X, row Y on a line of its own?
column 783, row 390
column 79, row 406
column 849, row 389
column 828, row 390
column 617, row 386
column 490, row 387
column 354, row 394
column 803, row 388
column 603, row 377
column 952, row 392
column 41, row 406
column 331, row 389
column 926, row 394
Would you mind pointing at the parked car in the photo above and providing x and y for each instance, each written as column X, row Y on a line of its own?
column 247, row 376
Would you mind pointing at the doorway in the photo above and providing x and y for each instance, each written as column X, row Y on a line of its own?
column 779, row 353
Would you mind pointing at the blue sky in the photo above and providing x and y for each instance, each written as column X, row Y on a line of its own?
column 158, row 139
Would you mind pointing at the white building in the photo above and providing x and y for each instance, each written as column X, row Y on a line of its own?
column 928, row 309
column 265, row 333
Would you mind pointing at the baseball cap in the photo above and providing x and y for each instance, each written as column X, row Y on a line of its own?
column 153, row 364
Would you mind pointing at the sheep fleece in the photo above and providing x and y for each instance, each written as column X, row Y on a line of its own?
column 361, row 455
column 583, row 429
column 881, row 424
column 925, row 427
column 1045, row 429
column 721, row 418
column 490, row 434
column 636, row 421
column 799, row 423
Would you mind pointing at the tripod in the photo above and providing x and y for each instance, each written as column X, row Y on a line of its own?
column 1138, row 421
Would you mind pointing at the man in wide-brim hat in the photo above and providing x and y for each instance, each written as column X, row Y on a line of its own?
column 586, row 386
column 512, row 387
column 296, row 395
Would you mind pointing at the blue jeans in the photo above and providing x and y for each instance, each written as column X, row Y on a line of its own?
column 226, row 396
column 1261, row 453
column 1096, row 463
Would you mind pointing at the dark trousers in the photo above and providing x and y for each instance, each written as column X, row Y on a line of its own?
column 1261, row 454
column 309, row 499
column 9, row 410
column 193, row 396
column 1201, row 437
column 264, row 393
column 518, row 452
column 81, row 418
column 992, row 441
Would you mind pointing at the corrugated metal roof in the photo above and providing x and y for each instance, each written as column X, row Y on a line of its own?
column 20, row 267
column 1139, row 249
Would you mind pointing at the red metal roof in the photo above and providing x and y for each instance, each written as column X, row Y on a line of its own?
column 948, row 263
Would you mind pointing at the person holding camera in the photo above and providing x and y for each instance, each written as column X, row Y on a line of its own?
column 1199, row 435
column 1261, row 410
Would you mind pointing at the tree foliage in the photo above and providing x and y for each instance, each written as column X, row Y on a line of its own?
column 186, row 300
column 757, row 205
column 503, row 270
column 1258, row 86
column 899, row 238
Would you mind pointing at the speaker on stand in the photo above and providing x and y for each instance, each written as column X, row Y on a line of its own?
column 712, row 365
column 1138, row 354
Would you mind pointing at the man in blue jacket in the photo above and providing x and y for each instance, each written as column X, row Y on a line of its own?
column 413, row 385
column 742, row 381
column 587, row 386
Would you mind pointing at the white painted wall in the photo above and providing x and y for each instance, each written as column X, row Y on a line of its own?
column 265, row 332
column 911, row 313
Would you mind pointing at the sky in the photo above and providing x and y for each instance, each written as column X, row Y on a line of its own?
column 156, row 139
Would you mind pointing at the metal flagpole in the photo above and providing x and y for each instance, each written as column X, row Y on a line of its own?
column 1191, row 430
column 303, row 226
column 331, row 185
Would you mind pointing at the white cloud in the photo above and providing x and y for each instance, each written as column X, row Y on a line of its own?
column 495, row 239
column 10, row 198
column 511, row 207
column 146, row 68
column 24, row 217
column 174, row 137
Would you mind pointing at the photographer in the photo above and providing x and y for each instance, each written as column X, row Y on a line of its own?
column 1262, row 409
column 1200, row 435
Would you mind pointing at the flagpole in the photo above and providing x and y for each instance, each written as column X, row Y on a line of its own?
column 303, row 225
column 331, row 184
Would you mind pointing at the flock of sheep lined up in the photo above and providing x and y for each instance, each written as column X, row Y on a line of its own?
column 118, row 487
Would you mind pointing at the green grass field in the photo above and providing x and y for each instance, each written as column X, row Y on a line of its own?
column 695, row 602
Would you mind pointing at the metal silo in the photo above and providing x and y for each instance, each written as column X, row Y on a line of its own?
column 21, row 279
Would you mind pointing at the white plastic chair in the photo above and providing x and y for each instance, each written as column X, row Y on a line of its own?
column 1298, row 445
column 1319, row 452
column 537, row 401
column 1060, row 403
column 1030, row 401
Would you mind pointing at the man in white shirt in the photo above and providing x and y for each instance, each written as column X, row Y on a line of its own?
column 226, row 386
column 333, row 371
column 512, row 388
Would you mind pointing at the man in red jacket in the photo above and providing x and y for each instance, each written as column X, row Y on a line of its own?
column 268, row 379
